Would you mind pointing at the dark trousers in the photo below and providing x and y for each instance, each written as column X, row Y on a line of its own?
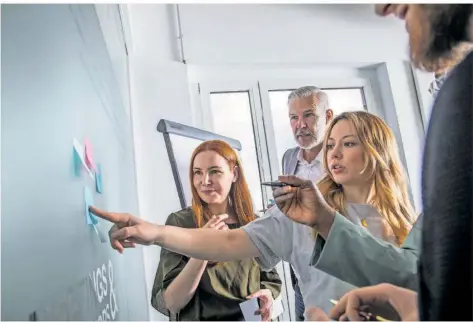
column 299, row 302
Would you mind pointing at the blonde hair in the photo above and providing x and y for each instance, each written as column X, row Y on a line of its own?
column 382, row 163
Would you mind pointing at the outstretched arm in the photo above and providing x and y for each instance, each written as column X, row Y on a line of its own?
column 201, row 243
column 206, row 244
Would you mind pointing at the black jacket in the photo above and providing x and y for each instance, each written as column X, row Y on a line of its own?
column 446, row 253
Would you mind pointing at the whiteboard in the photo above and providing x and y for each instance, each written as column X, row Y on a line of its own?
column 58, row 83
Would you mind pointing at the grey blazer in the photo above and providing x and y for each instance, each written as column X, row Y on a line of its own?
column 290, row 162
column 289, row 167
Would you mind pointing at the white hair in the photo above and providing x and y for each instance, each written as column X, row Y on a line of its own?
column 308, row 91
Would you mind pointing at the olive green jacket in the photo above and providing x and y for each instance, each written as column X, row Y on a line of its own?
column 222, row 288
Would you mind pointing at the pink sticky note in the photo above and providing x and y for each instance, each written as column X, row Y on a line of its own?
column 89, row 156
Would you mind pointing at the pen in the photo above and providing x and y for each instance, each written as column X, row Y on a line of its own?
column 377, row 317
column 275, row 184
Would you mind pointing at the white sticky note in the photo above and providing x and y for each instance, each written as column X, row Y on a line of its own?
column 278, row 308
column 80, row 152
column 249, row 308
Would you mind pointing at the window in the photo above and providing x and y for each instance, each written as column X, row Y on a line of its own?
column 231, row 117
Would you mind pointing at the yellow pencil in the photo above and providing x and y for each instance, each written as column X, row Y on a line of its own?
column 377, row 317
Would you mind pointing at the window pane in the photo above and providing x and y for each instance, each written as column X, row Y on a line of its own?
column 345, row 100
column 281, row 125
column 340, row 100
column 231, row 116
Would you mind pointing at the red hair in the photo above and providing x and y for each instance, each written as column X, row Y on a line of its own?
column 239, row 196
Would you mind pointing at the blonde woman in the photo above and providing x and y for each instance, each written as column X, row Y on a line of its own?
column 364, row 152
column 364, row 179
column 366, row 259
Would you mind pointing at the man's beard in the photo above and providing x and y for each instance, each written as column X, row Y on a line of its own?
column 314, row 140
column 441, row 29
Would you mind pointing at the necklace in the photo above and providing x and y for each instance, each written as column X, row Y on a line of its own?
column 363, row 220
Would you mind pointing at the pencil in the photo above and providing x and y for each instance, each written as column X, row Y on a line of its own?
column 377, row 317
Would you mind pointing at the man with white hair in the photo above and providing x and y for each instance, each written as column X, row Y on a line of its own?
column 308, row 113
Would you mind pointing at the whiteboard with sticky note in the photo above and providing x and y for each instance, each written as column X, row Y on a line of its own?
column 66, row 144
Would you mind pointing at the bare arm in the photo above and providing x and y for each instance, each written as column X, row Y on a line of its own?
column 182, row 289
column 200, row 243
column 207, row 244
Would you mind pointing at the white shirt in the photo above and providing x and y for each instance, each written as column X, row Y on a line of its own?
column 310, row 171
column 279, row 238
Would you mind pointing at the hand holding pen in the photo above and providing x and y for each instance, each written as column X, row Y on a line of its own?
column 382, row 302
column 302, row 202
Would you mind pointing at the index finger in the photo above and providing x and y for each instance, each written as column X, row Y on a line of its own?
column 350, row 304
column 255, row 294
column 221, row 217
column 291, row 180
column 110, row 216
column 339, row 308
column 283, row 191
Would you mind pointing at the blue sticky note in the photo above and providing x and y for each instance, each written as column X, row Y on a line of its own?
column 98, row 179
column 89, row 201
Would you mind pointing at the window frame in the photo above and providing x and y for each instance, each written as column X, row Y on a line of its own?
column 207, row 88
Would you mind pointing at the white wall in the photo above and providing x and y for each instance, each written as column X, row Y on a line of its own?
column 159, row 89
column 288, row 33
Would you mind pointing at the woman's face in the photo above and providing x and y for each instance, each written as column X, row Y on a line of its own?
column 213, row 177
column 345, row 155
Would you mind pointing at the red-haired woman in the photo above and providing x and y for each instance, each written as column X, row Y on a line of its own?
column 192, row 289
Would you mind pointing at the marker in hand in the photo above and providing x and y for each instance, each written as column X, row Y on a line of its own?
column 276, row 184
